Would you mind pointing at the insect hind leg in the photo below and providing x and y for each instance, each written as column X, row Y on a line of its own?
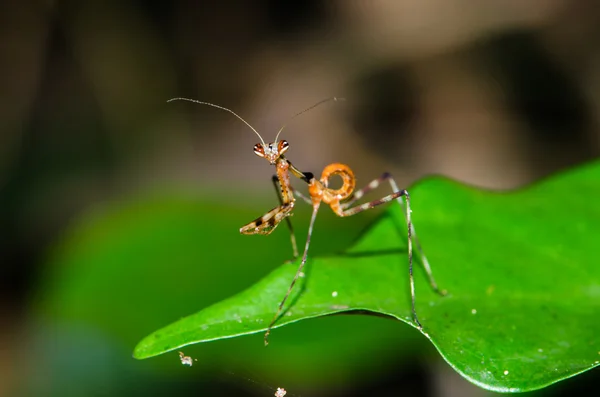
column 400, row 196
column 387, row 176
column 374, row 184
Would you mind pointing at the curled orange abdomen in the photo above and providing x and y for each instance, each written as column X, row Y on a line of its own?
column 348, row 182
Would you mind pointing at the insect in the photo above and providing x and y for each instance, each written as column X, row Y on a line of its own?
column 340, row 200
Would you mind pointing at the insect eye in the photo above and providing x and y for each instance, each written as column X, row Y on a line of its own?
column 283, row 146
column 259, row 150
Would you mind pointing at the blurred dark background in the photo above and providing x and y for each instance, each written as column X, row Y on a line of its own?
column 496, row 94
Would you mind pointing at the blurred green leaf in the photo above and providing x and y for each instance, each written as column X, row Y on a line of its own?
column 522, row 269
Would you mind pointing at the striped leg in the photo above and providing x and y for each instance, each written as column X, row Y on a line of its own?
column 387, row 199
column 426, row 265
column 298, row 272
column 374, row 185
column 269, row 221
column 397, row 195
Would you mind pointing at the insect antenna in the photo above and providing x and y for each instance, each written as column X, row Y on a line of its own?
column 306, row 110
column 222, row 108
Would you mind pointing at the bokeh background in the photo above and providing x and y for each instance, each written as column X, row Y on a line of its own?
column 120, row 212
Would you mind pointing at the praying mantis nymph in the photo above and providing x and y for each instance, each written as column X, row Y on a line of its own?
column 340, row 200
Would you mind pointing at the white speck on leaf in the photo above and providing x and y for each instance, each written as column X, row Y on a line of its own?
column 506, row 372
column 334, row 294
column 186, row 360
column 474, row 311
column 280, row 392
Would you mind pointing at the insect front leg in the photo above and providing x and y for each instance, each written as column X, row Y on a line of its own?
column 269, row 221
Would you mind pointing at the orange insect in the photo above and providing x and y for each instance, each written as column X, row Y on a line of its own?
column 340, row 200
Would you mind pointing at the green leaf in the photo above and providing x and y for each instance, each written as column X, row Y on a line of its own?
column 522, row 271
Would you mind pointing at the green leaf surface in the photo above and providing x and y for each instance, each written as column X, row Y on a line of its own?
column 522, row 271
